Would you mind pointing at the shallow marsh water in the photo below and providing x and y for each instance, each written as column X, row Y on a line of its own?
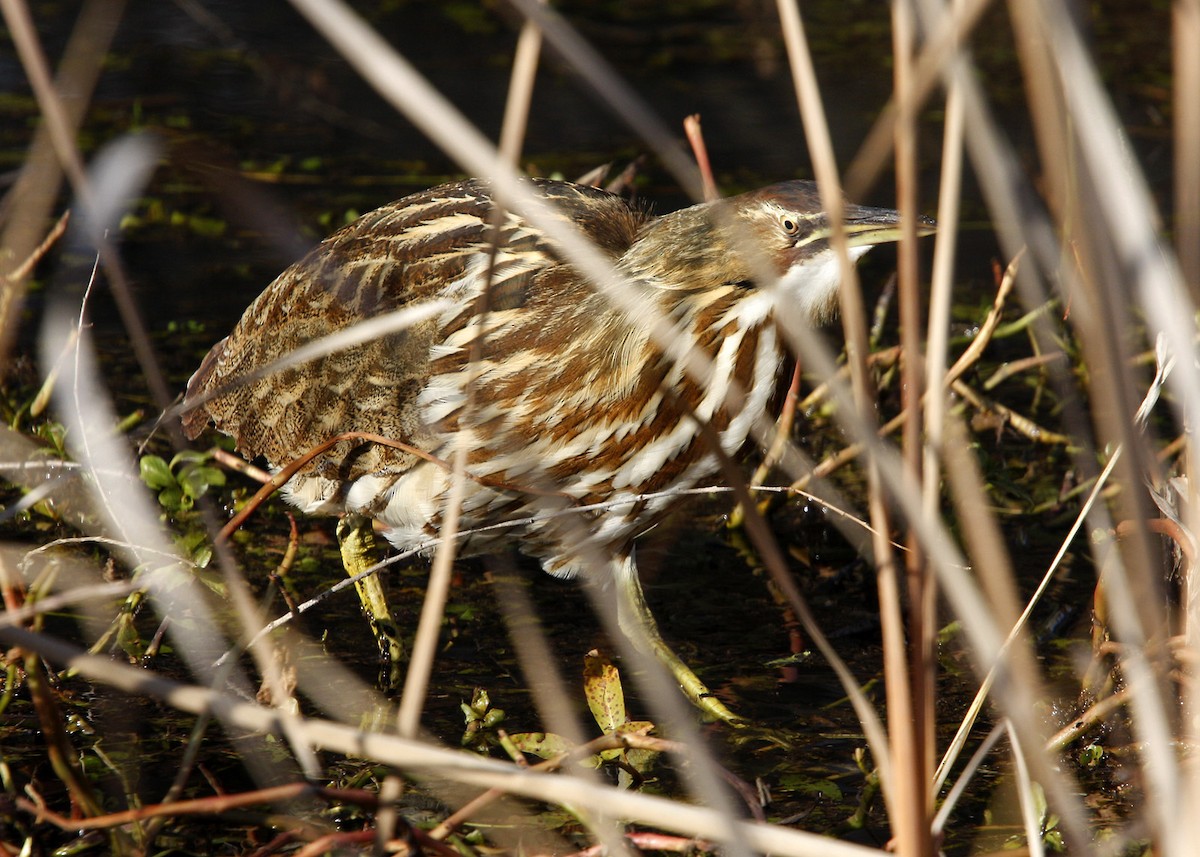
column 247, row 90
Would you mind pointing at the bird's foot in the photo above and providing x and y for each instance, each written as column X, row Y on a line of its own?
column 695, row 690
column 356, row 538
column 636, row 620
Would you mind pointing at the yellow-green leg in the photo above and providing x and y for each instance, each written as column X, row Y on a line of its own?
column 356, row 537
column 636, row 620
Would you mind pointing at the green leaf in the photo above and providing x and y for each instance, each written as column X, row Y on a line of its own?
column 195, row 545
column 544, row 745
column 154, row 472
column 1091, row 755
column 189, row 456
column 215, row 476
column 196, row 480
column 171, row 498
column 480, row 702
column 635, row 727
column 602, row 687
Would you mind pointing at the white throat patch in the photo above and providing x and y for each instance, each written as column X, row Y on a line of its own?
column 811, row 286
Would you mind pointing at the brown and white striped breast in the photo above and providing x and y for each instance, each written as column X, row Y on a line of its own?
column 563, row 404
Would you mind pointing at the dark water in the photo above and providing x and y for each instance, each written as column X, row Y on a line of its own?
column 271, row 140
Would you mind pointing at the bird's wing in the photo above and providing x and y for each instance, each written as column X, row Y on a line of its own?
column 430, row 245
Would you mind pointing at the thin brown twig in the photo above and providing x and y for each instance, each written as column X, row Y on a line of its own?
column 211, row 805
column 286, row 837
column 239, row 465
column 886, row 357
column 23, row 270
column 610, row 741
column 221, row 803
column 647, row 841
column 1163, row 527
column 965, row 361
column 783, row 432
column 1179, row 444
column 695, row 137
column 1016, row 367
column 1019, row 422
column 279, row 576
column 991, row 322
column 1089, row 719
column 295, row 465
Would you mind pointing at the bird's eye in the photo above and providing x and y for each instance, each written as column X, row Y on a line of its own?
column 789, row 224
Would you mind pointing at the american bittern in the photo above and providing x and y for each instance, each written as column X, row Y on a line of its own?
column 571, row 402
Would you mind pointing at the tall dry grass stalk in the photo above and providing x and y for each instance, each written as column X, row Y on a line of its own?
column 1091, row 237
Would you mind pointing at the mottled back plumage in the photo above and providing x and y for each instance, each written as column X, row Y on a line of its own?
column 571, row 403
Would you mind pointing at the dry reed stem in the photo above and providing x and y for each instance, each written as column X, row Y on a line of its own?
column 1030, row 816
column 965, row 361
column 615, row 91
column 910, row 671
column 994, row 176
column 126, row 166
column 420, row 758
column 1185, row 42
column 416, row 682
column 937, row 403
column 1118, row 252
column 1017, row 367
column 850, row 301
column 398, row 82
column 223, row 803
column 695, row 138
column 1186, row 54
column 25, row 268
column 943, row 47
column 611, row 741
column 420, row 669
column 1083, row 723
column 37, row 188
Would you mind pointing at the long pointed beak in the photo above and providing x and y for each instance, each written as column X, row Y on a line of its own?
column 866, row 226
